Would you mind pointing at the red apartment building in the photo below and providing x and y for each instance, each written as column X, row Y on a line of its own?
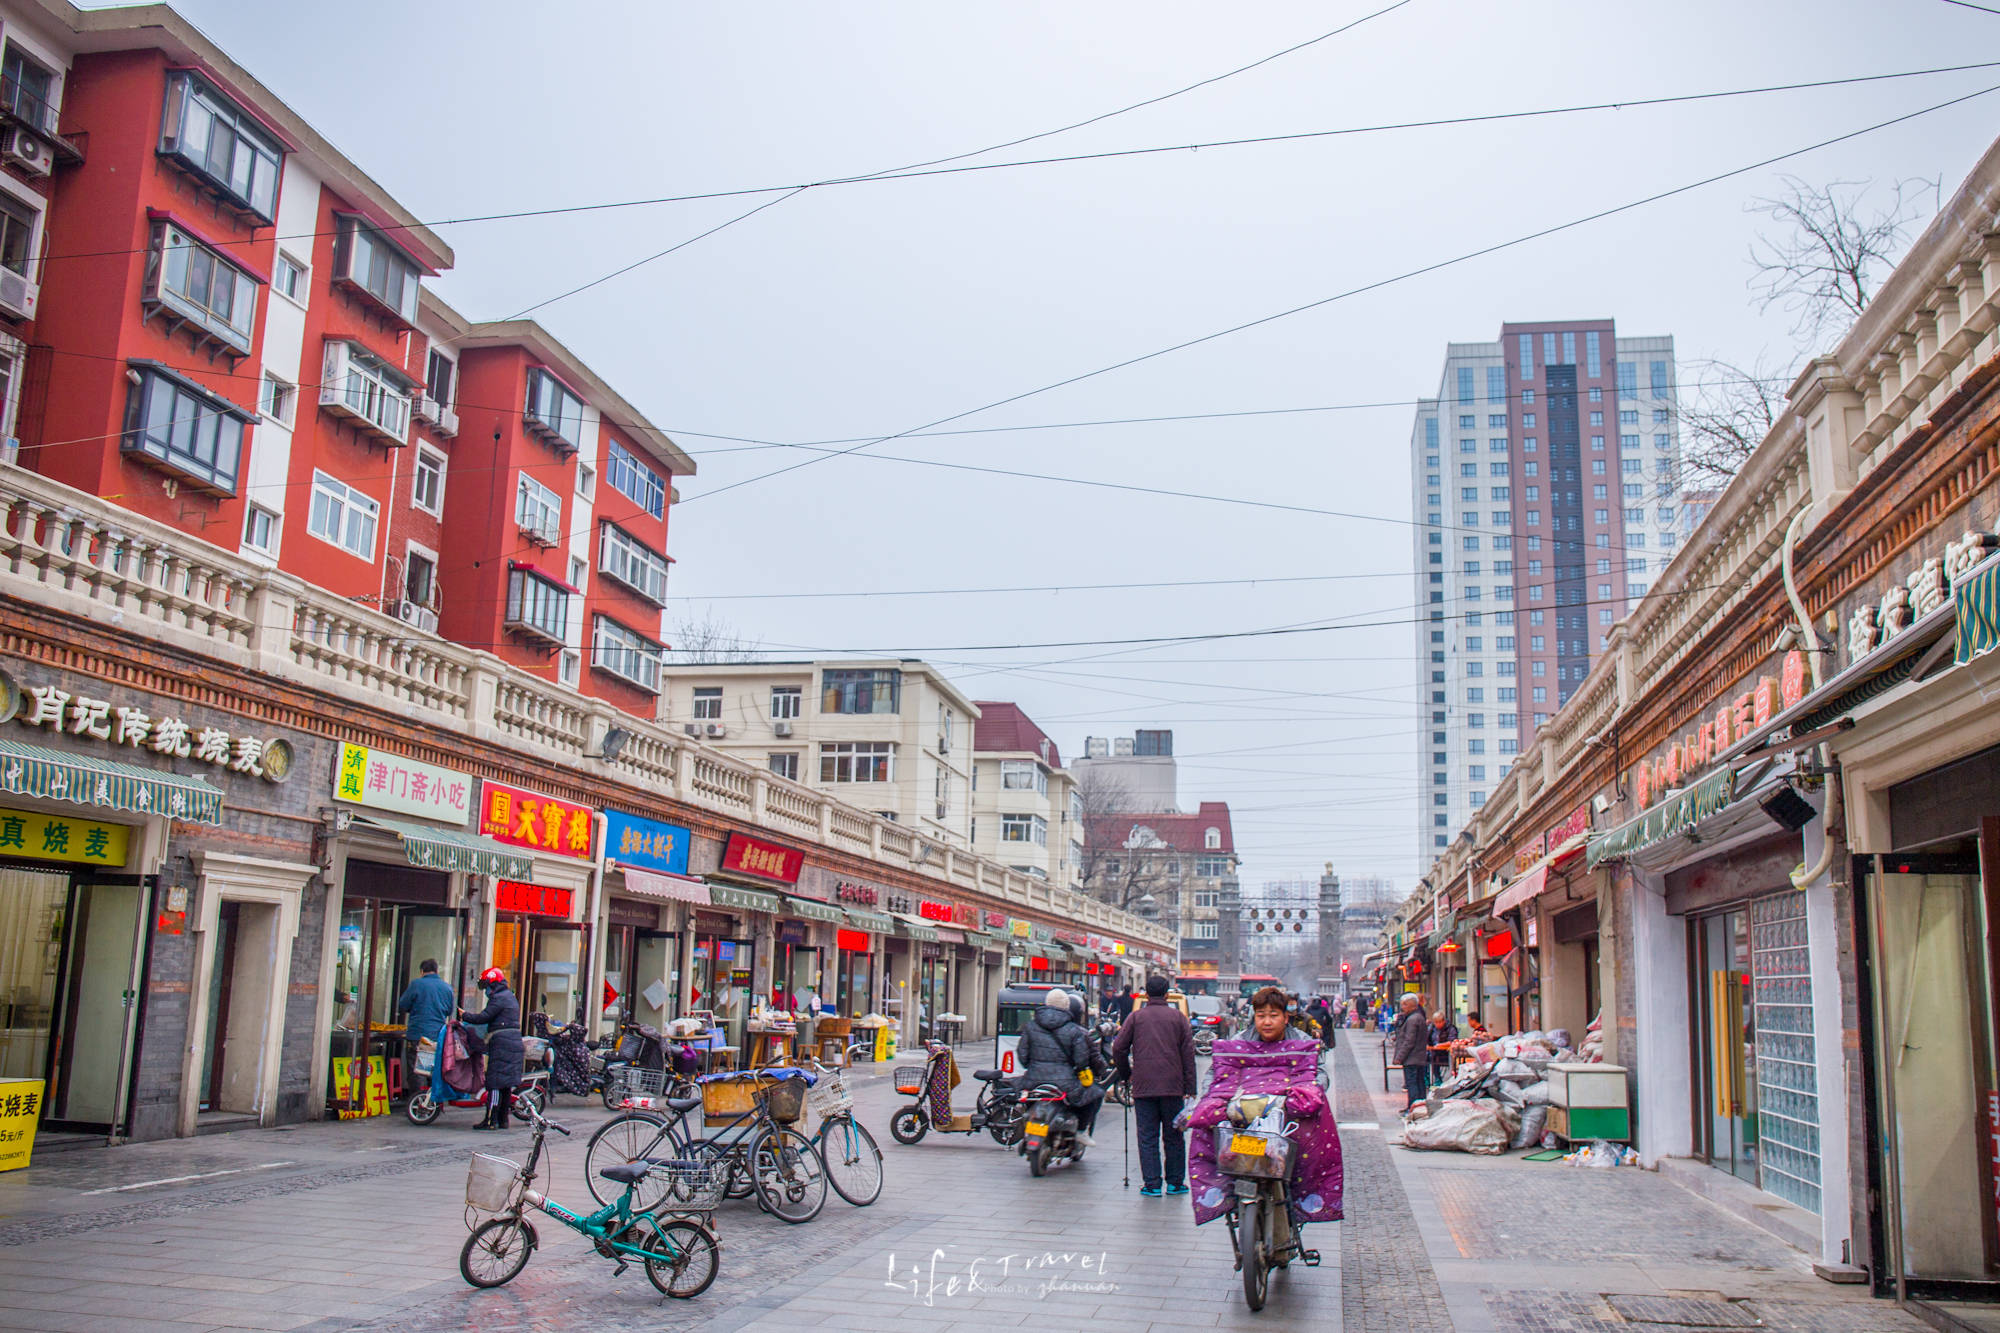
column 211, row 316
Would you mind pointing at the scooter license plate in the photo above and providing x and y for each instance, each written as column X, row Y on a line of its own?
column 1247, row 1144
column 1036, row 1127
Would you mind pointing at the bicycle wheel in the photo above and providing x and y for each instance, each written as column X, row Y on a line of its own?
column 625, row 1138
column 853, row 1163
column 788, row 1175
column 496, row 1252
column 1255, row 1246
column 682, row 1258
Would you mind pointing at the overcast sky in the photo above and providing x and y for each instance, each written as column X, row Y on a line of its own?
column 868, row 309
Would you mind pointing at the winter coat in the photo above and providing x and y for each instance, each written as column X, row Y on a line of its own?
column 1290, row 1066
column 504, row 1053
column 1054, row 1047
column 1440, row 1036
column 1157, row 1046
column 430, row 1002
column 1408, row 1038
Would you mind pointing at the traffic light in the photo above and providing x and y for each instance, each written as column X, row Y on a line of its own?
column 1343, row 968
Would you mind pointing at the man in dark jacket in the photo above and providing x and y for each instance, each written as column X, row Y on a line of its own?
column 1155, row 1049
column 429, row 1001
column 505, row 1055
column 1408, row 1047
column 1055, row 1049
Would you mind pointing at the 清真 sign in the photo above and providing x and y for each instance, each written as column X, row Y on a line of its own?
column 646, row 843
column 748, row 856
column 385, row 781
column 528, row 819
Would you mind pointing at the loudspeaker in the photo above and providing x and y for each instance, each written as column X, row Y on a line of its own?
column 1787, row 807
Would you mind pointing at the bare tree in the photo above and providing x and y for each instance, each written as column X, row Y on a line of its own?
column 707, row 639
column 1821, row 262
column 1724, row 411
column 1119, row 867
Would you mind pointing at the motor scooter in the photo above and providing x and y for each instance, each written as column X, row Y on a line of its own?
column 997, row 1111
column 1255, row 1149
column 428, row 1101
column 1048, row 1129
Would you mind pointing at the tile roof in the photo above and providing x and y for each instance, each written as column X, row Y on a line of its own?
column 1185, row 833
column 1003, row 727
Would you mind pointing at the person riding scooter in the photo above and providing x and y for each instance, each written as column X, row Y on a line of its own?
column 1055, row 1049
column 504, row 1052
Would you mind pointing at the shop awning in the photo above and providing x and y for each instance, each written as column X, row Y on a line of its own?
column 455, row 849
column 1447, row 924
column 949, row 936
column 31, row 770
column 915, row 928
column 1535, row 879
column 812, row 911
column 1679, row 811
column 878, row 922
column 742, row 900
column 667, row 888
column 1976, row 596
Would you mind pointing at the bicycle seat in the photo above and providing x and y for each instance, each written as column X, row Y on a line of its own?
column 988, row 1075
column 626, row 1173
column 683, row 1105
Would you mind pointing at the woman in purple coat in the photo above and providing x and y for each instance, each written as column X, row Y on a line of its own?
column 1266, row 1061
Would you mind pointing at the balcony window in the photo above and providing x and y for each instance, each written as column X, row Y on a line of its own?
column 1023, row 775
column 343, row 516
column 627, row 559
column 193, row 282
column 28, row 90
column 857, row 761
column 553, row 412
column 222, row 144
column 861, row 691
column 537, row 604
column 184, row 428
column 374, row 394
column 17, row 235
column 538, row 511
column 629, row 655
column 1024, row 828
column 634, row 480
column 365, row 259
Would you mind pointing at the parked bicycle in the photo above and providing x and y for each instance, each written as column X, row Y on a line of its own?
column 763, row 1155
column 848, row 1151
column 673, row 1242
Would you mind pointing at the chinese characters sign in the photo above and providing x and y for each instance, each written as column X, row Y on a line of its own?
column 931, row 911
column 528, row 819
column 391, row 782
column 747, row 856
column 860, row 894
column 1736, row 720
column 20, row 1109
column 646, row 843
column 511, row 895
column 60, row 711
column 61, row 838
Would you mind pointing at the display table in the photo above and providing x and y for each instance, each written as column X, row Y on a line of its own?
column 883, row 1031
column 1589, row 1102
column 770, row 1043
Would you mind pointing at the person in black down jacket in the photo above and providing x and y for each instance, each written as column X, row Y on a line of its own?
column 1054, row 1049
column 504, row 1052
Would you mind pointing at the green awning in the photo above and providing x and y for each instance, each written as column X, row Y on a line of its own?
column 915, row 928
column 743, row 900
column 454, row 849
column 878, row 922
column 1678, row 812
column 31, row 770
column 1976, row 597
column 812, row 911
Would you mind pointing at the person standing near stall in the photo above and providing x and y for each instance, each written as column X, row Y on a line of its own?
column 505, row 1055
column 1439, row 1038
column 429, row 1002
column 1406, row 1048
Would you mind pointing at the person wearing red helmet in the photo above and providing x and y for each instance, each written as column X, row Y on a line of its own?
column 504, row 1052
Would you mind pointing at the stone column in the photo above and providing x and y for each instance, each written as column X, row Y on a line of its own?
column 1329, row 932
column 1228, row 937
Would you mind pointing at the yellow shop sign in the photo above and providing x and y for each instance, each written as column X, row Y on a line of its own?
column 62, row 838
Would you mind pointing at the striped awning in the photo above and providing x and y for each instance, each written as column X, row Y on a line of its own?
column 1977, row 599
column 915, row 928
column 742, row 900
column 454, row 849
column 1678, row 812
column 878, row 922
column 813, row 911
column 31, row 770
column 666, row 887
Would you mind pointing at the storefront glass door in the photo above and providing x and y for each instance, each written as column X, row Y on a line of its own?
column 1728, row 1040
column 652, row 962
column 855, row 974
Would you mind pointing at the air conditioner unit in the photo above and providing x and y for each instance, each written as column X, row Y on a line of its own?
column 782, row 727
column 692, row 728
column 18, row 296
column 418, row 615
column 30, row 153
column 716, row 731
column 441, row 416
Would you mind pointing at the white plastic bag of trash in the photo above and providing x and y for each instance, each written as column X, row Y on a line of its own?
column 1481, row 1125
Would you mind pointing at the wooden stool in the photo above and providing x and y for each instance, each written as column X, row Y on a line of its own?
column 718, row 1058
column 830, row 1038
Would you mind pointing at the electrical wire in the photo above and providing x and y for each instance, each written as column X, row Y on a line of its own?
column 1377, row 285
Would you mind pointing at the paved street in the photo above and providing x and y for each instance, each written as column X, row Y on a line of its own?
column 358, row 1226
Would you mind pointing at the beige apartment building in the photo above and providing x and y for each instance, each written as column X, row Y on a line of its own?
column 1026, row 810
column 893, row 737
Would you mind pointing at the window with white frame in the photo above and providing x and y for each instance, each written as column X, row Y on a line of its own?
column 586, row 481
column 633, row 479
column 627, row 559
column 1024, row 828
column 571, row 667
column 1204, row 897
column 1023, row 775
column 786, row 701
column 366, row 259
column 1211, row 867
column 631, row 656
column 785, row 765
column 857, row 761
column 538, row 510
column 343, row 516
column 29, row 90
column 553, row 412
column 1212, row 839
column 420, row 583
column 370, row 388
column 281, row 399
column 537, row 604
column 13, row 356
column 708, row 703
column 427, row 481
column 290, row 279
column 18, row 222
column 219, row 141
column 194, row 282
column 260, row 529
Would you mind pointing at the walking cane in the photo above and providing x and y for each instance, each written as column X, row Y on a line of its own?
column 1128, row 1144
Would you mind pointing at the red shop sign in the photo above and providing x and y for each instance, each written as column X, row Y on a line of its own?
column 533, row 899
column 540, row 823
column 854, row 941
column 961, row 915
column 747, row 856
column 931, row 911
column 1500, row 945
column 1038, row 964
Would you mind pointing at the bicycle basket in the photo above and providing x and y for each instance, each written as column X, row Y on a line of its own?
column 909, row 1079
column 628, row 1081
column 490, row 1183
column 693, row 1186
column 786, row 1100
column 829, row 1097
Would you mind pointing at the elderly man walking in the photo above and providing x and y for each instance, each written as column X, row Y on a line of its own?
column 1155, row 1048
column 1410, row 1048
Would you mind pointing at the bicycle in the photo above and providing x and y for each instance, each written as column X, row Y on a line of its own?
column 679, row 1252
column 762, row 1154
column 848, row 1151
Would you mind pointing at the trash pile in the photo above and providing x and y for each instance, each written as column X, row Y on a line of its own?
column 1601, row 1153
column 1499, row 1099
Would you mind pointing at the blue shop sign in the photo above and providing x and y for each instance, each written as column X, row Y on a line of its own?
column 646, row 843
